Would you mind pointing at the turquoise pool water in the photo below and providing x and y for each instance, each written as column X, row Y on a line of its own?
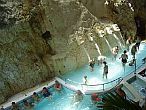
column 116, row 70
column 63, row 101
column 138, row 84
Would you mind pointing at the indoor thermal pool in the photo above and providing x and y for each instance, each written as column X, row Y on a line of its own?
column 72, row 54
column 116, row 71
column 60, row 101
column 64, row 100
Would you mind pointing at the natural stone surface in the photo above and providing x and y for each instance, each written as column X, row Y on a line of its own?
column 122, row 13
column 21, row 63
column 96, row 7
column 27, row 58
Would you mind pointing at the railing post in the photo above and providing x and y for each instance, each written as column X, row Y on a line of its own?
column 135, row 67
column 65, row 80
column 82, row 86
column 118, row 80
column 103, row 87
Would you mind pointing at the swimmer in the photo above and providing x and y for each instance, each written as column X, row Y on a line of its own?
column 57, row 86
column 14, row 106
column 35, row 97
column 46, row 93
column 27, row 105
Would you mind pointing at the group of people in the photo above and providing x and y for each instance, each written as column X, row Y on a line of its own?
column 35, row 98
column 79, row 95
column 105, row 69
column 130, row 40
column 123, row 57
column 100, row 60
column 28, row 105
column 134, row 49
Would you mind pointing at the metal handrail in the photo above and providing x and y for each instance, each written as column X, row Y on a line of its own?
column 134, row 70
column 81, row 84
column 103, row 85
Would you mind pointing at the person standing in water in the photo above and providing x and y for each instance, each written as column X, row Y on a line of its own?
column 57, row 86
column 105, row 69
column 91, row 64
column 133, row 50
column 124, row 58
column 128, row 43
column 85, row 80
column 138, row 40
column 115, row 51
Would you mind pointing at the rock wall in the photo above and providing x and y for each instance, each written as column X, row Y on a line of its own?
column 75, row 25
column 121, row 12
column 96, row 7
column 140, row 9
column 27, row 58
column 21, row 60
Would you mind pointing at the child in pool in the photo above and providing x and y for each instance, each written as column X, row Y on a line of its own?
column 35, row 97
column 57, row 86
column 46, row 93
